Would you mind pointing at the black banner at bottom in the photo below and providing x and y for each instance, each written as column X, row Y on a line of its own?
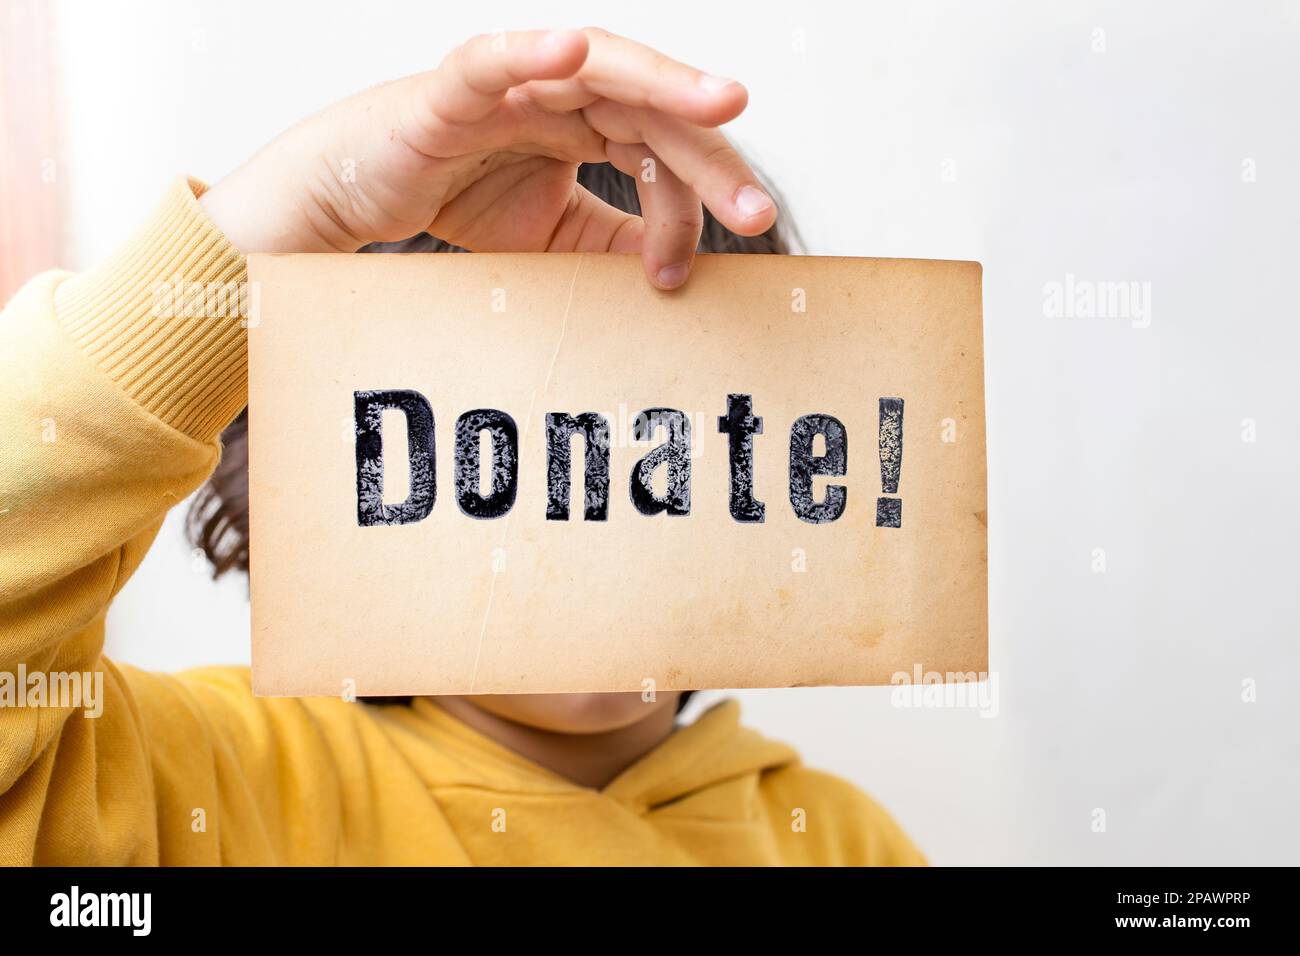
column 338, row 906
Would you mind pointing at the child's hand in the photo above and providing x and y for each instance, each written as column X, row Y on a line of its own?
column 483, row 152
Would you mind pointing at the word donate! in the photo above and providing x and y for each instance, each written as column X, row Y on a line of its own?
column 444, row 502
column 739, row 423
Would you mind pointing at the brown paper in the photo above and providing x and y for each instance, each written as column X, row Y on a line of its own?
column 519, row 603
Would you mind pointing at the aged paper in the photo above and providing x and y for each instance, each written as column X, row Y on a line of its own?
column 420, row 526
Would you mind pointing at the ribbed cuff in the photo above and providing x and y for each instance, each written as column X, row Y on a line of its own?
column 166, row 317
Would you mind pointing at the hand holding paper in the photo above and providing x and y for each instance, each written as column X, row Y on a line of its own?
column 483, row 152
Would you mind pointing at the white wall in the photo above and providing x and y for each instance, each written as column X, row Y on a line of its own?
column 989, row 132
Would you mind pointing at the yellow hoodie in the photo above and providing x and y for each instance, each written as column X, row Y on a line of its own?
column 110, row 416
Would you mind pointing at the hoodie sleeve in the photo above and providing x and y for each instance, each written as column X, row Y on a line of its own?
column 114, row 397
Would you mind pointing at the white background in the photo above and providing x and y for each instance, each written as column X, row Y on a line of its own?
column 996, row 132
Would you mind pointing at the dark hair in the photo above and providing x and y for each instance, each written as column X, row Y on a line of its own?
column 217, row 522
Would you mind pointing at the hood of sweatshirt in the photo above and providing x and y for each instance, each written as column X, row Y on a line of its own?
column 696, row 798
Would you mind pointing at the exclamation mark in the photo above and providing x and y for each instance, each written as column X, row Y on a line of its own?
column 889, row 511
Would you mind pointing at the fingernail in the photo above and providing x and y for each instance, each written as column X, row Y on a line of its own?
column 711, row 84
column 670, row 277
column 752, row 201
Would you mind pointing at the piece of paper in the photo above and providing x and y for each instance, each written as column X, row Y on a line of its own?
column 413, row 530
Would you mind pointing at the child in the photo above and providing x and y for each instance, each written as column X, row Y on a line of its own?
column 482, row 152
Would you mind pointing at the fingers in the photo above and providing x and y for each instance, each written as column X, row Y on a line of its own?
column 710, row 164
column 590, row 224
column 474, row 77
column 701, row 158
column 632, row 74
column 582, row 96
column 670, row 210
column 627, row 72
column 517, row 126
